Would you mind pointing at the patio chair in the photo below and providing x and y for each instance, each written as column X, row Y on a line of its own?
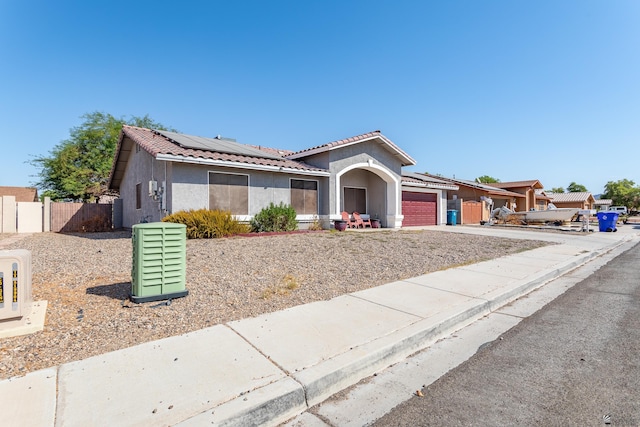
column 360, row 221
column 346, row 218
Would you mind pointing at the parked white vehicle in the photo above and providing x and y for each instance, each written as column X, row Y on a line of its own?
column 622, row 210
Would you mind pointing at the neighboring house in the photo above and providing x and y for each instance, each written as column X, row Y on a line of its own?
column 477, row 191
column 602, row 204
column 581, row 200
column 161, row 172
column 534, row 197
column 22, row 194
column 473, row 200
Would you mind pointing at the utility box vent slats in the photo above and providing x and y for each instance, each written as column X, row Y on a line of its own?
column 159, row 261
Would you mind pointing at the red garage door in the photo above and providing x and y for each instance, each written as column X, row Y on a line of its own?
column 419, row 208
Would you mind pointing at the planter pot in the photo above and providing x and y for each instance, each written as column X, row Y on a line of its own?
column 340, row 225
column 375, row 223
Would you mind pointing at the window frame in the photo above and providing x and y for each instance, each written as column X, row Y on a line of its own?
column 317, row 201
column 139, row 196
column 247, row 186
column 344, row 199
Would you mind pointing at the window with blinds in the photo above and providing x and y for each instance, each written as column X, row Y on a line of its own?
column 304, row 196
column 229, row 192
column 355, row 200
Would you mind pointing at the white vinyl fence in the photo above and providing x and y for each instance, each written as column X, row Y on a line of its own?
column 36, row 217
column 24, row 217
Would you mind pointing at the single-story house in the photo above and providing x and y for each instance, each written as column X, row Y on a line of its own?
column 534, row 199
column 22, row 194
column 581, row 200
column 602, row 204
column 477, row 191
column 159, row 172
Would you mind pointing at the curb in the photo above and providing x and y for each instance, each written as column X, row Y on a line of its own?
column 317, row 383
column 262, row 392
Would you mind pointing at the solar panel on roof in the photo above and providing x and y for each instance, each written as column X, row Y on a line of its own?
column 215, row 144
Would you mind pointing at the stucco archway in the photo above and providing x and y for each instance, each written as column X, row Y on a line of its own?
column 393, row 199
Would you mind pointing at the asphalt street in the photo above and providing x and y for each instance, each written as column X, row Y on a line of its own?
column 574, row 362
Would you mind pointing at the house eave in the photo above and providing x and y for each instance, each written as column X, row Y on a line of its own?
column 239, row 165
column 430, row 185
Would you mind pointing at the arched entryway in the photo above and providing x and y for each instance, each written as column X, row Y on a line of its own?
column 371, row 189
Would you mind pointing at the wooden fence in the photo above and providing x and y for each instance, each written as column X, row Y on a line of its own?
column 78, row 217
column 471, row 212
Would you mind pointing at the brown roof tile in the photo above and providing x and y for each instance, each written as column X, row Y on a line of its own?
column 156, row 144
column 272, row 151
column 488, row 188
column 427, row 180
column 569, row 197
column 406, row 159
column 605, row 202
column 22, row 194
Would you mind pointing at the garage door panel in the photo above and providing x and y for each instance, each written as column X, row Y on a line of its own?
column 419, row 208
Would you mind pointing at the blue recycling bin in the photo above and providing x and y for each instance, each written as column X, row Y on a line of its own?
column 452, row 216
column 607, row 221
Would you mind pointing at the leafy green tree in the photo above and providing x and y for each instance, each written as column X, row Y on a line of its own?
column 623, row 192
column 557, row 190
column 576, row 188
column 78, row 168
column 486, row 179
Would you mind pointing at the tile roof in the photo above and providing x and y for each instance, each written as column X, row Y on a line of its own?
column 22, row 194
column 404, row 157
column 426, row 181
column 604, row 202
column 514, row 184
column 273, row 151
column 569, row 197
column 161, row 147
column 489, row 189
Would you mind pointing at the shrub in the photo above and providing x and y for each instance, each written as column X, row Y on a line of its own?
column 288, row 284
column 207, row 224
column 315, row 225
column 275, row 218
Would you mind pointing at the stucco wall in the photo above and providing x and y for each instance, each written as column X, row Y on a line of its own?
column 190, row 187
column 8, row 214
column 141, row 168
column 24, row 217
column 29, row 217
column 580, row 205
column 320, row 160
column 376, row 190
column 383, row 166
column 187, row 184
column 468, row 194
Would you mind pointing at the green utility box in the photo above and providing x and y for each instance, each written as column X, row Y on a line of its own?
column 158, row 270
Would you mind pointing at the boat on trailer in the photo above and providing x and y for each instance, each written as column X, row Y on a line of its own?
column 555, row 215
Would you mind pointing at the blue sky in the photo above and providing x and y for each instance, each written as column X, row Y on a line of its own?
column 518, row 90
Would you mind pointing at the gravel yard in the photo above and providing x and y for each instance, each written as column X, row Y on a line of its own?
column 86, row 280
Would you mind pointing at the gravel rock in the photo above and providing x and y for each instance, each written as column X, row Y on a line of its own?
column 86, row 279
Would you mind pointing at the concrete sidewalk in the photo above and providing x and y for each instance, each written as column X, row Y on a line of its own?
column 268, row 369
